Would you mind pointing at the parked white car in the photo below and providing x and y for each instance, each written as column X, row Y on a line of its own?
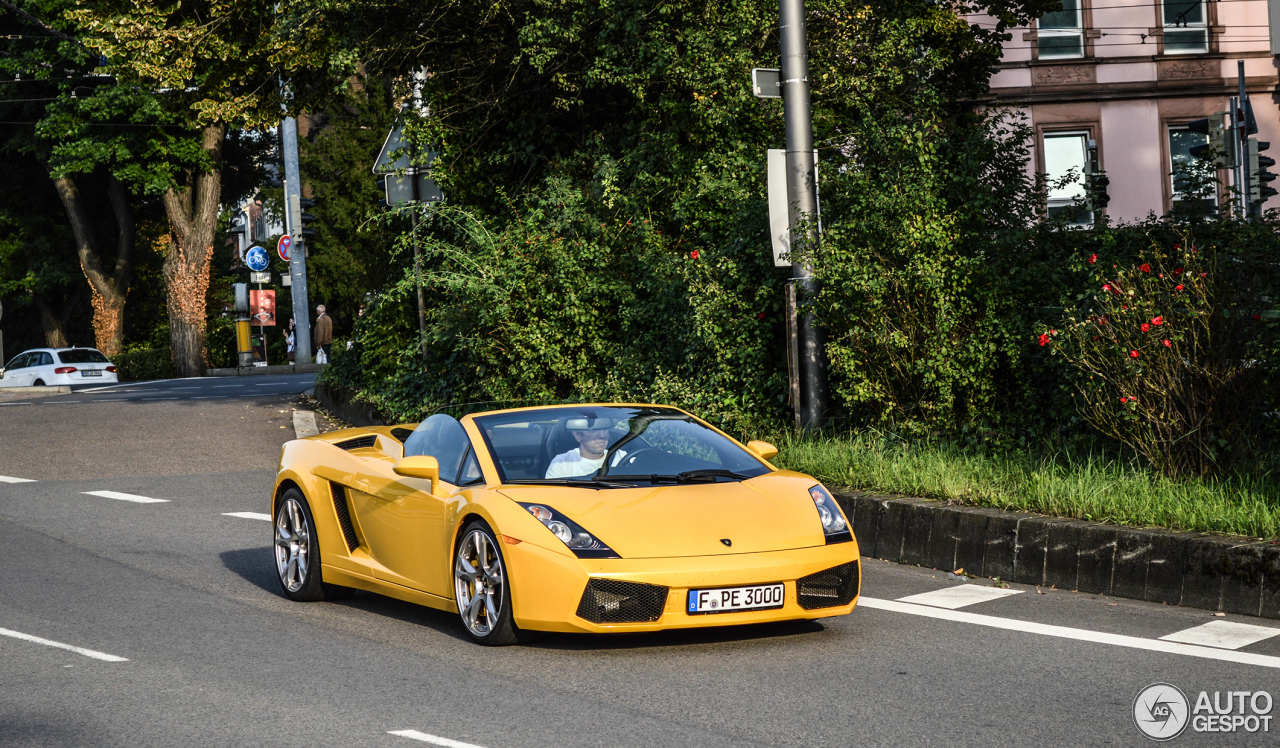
column 58, row 366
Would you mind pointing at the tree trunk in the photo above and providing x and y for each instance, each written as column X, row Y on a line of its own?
column 55, row 335
column 193, row 213
column 109, row 290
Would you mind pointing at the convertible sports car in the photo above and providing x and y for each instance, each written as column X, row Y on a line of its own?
column 579, row 518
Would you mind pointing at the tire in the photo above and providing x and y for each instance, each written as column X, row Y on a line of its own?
column 38, row 383
column 297, row 552
column 482, row 589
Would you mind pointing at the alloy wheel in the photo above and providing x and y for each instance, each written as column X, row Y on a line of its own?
column 293, row 545
column 479, row 583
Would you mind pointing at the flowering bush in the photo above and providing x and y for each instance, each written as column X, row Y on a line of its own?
column 1165, row 352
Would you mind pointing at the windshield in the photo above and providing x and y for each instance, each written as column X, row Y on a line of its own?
column 612, row 447
column 82, row 356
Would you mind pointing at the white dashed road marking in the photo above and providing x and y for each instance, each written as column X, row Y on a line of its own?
column 248, row 515
column 7, row 479
column 154, row 399
column 1225, row 634
column 3, row 404
column 61, row 402
column 1065, row 632
column 958, row 596
column 49, row 643
column 224, row 386
column 211, row 397
column 126, row 497
column 432, row 739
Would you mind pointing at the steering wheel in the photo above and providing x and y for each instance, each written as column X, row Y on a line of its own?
column 631, row 456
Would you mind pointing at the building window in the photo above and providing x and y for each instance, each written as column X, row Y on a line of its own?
column 1185, row 27
column 1065, row 157
column 1060, row 34
column 1181, row 166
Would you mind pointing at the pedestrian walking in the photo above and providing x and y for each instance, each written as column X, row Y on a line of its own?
column 324, row 334
column 291, row 339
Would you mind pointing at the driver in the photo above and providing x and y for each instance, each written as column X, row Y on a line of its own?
column 592, row 435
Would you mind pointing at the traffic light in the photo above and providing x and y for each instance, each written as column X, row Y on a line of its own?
column 304, row 218
column 1216, row 150
column 1260, row 179
column 300, row 219
column 1096, row 181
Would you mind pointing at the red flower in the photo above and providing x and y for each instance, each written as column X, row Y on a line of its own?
column 1144, row 267
column 1133, row 354
column 1167, row 344
column 1093, row 259
column 694, row 254
column 1157, row 320
column 1106, row 287
column 1124, row 308
column 1124, row 400
column 760, row 315
column 1178, row 287
column 1178, row 271
column 1257, row 316
column 1204, row 275
column 1044, row 340
column 1145, row 327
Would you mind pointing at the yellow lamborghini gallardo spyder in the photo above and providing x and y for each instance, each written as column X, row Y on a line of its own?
column 578, row 518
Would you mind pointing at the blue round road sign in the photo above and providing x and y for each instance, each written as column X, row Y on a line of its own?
column 256, row 258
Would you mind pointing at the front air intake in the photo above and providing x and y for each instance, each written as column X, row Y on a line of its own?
column 358, row 442
column 828, row 589
column 611, row 601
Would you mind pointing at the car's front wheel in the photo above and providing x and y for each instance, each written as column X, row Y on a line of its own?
column 482, row 589
column 297, row 550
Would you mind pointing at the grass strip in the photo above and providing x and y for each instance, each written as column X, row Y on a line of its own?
column 1058, row 483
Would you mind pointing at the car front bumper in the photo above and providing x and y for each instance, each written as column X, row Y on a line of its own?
column 548, row 587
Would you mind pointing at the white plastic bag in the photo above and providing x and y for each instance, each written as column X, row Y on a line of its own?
column 321, row 358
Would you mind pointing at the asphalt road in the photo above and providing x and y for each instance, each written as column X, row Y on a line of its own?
column 214, row 655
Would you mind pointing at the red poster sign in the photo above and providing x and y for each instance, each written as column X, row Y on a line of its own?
column 263, row 306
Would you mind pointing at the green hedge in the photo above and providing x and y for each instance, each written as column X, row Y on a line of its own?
column 144, row 364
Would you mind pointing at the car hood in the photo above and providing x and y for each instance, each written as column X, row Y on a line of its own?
column 770, row 513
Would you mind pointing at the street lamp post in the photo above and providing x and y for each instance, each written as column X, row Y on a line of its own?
column 802, row 196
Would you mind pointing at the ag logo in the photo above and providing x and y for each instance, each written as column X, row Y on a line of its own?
column 1161, row 711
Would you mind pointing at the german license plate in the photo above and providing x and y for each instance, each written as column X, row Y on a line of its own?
column 91, row 372
column 732, row 599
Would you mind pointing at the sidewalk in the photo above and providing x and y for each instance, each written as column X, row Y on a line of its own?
column 259, row 371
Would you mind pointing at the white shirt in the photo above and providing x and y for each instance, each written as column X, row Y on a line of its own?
column 572, row 464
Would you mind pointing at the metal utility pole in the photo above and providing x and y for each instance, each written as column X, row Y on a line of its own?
column 417, row 268
column 298, row 250
column 802, row 197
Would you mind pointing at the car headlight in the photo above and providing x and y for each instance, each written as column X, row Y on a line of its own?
column 834, row 526
column 582, row 543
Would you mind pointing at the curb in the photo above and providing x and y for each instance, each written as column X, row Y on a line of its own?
column 258, row 371
column 9, row 393
column 341, row 402
column 1196, row 570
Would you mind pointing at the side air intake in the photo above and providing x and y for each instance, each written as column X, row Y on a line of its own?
column 344, row 515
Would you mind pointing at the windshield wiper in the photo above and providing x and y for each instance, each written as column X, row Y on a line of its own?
column 568, row 482
column 689, row 476
column 713, row 473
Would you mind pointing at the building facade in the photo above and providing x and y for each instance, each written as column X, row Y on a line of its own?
column 1130, row 75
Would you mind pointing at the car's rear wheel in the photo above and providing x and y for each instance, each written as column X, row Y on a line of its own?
column 38, row 383
column 297, row 551
column 482, row 589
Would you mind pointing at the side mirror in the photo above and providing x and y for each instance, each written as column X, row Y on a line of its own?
column 766, row 450
column 419, row 466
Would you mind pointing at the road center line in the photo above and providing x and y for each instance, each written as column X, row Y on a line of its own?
column 126, row 497
column 61, row 402
column 224, row 386
column 1065, row 632
column 7, row 479
column 248, row 515
column 432, row 739
column 16, row 403
column 153, row 399
column 211, row 397
column 78, row 650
